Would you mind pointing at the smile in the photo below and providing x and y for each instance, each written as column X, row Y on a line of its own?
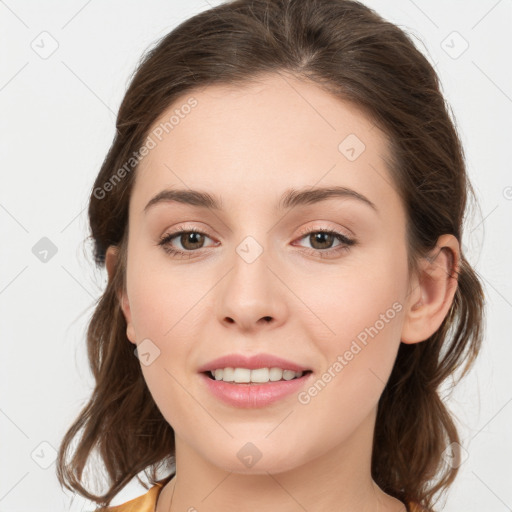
column 248, row 394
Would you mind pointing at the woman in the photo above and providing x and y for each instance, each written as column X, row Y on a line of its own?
column 280, row 216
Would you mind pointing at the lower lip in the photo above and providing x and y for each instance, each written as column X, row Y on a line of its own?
column 254, row 395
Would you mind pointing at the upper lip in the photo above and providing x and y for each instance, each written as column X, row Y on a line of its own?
column 251, row 362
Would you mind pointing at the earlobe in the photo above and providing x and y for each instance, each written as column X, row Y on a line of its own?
column 111, row 261
column 125, row 306
column 434, row 291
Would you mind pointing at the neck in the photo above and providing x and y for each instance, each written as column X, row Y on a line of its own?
column 338, row 480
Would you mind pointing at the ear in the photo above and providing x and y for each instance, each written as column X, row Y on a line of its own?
column 432, row 291
column 111, row 261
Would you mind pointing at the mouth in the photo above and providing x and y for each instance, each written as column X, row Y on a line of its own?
column 250, row 394
column 254, row 380
column 247, row 382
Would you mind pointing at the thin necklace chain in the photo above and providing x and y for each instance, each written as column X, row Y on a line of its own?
column 172, row 495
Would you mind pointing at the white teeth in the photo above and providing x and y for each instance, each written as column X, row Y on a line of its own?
column 227, row 374
column 242, row 375
column 288, row 375
column 275, row 374
column 258, row 376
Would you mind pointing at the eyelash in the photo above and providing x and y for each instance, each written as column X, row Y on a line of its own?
column 344, row 245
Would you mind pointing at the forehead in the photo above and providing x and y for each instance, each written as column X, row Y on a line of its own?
column 261, row 138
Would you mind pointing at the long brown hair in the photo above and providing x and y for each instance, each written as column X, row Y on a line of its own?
column 350, row 51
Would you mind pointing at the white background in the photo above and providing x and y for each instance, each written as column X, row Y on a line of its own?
column 57, row 121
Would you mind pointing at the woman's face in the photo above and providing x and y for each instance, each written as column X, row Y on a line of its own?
column 254, row 281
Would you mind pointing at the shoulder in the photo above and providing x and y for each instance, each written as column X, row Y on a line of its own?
column 144, row 503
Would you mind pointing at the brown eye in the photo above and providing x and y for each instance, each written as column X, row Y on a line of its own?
column 191, row 240
column 324, row 240
column 321, row 241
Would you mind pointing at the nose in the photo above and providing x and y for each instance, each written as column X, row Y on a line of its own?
column 252, row 297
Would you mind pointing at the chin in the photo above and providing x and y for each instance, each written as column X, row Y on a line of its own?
column 257, row 458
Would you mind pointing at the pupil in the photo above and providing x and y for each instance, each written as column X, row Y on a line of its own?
column 189, row 238
column 319, row 236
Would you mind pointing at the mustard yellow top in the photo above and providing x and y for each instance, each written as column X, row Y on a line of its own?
column 144, row 503
column 147, row 503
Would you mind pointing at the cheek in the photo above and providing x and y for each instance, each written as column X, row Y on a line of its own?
column 349, row 298
column 361, row 311
column 163, row 306
column 163, row 311
column 159, row 316
column 162, row 295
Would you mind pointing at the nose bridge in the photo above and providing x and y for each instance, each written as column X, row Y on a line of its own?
column 253, row 243
column 250, row 272
column 251, row 290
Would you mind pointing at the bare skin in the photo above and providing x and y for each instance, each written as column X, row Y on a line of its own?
column 247, row 146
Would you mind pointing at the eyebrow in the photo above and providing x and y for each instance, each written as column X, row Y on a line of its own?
column 290, row 198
